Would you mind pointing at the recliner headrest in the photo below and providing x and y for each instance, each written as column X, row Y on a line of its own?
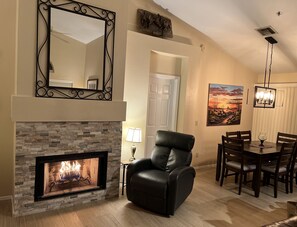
column 175, row 139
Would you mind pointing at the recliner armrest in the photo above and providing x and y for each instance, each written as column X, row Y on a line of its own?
column 180, row 186
column 134, row 167
column 139, row 165
column 180, row 172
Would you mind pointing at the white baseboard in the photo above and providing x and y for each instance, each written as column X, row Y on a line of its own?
column 208, row 166
column 8, row 197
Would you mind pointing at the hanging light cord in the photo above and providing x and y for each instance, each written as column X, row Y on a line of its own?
column 269, row 73
column 265, row 72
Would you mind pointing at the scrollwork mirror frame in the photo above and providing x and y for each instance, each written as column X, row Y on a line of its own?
column 43, row 51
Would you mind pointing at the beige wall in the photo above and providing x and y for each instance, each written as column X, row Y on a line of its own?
column 76, row 61
column 26, row 71
column 282, row 118
column 7, row 73
column 26, row 67
column 279, row 78
column 218, row 67
column 68, row 57
column 17, row 59
column 27, row 37
column 165, row 64
column 94, row 60
column 139, row 50
column 202, row 62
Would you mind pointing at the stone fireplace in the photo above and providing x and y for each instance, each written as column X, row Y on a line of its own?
column 74, row 163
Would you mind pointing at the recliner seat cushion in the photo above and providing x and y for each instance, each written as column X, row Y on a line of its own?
column 153, row 181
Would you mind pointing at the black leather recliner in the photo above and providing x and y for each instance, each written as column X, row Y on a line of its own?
column 163, row 182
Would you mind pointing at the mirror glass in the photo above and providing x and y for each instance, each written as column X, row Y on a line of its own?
column 76, row 50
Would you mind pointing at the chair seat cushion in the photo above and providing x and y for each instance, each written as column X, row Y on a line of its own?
column 153, row 182
column 237, row 165
column 271, row 168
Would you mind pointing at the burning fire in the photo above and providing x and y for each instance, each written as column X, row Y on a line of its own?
column 69, row 171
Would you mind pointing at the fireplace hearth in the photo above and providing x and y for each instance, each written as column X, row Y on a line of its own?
column 61, row 175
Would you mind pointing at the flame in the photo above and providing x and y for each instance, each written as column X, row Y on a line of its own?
column 69, row 170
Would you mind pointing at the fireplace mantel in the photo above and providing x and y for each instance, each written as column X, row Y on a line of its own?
column 32, row 109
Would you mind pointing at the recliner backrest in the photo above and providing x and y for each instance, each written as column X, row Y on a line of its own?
column 172, row 150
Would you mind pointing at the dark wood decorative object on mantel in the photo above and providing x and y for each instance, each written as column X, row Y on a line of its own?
column 154, row 24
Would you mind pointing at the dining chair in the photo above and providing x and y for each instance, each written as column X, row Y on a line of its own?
column 288, row 138
column 285, row 138
column 293, row 168
column 280, row 167
column 246, row 136
column 233, row 134
column 235, row 160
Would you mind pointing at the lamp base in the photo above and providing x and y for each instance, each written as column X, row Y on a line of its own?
column 133, row 150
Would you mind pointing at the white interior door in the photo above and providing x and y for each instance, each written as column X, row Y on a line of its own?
column 162, row 107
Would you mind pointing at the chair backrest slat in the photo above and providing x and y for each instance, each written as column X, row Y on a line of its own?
column 286, row 156
column 234, row 134
column 285, row 138
column 232, row 149
column 246, row 136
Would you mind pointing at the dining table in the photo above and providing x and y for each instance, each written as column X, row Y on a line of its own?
column 254, row 151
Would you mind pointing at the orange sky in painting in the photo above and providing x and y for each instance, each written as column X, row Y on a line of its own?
column 224, row 96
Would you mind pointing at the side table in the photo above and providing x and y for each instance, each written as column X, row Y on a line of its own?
column 124, row 164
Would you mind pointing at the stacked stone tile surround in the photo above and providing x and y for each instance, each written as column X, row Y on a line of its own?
column 56, row 138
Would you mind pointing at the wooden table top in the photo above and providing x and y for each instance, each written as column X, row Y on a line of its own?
column 268, row 148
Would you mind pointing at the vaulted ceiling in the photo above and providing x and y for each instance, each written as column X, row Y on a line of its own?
column 232, row 25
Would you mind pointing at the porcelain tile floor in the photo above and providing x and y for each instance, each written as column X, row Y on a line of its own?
column 208, row 205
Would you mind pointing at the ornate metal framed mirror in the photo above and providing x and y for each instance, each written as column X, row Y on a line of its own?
column 75, row 50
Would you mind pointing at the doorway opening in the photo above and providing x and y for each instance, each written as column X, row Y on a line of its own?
column 162, row 107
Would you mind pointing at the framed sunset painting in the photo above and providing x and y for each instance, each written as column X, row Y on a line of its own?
column 224, row 104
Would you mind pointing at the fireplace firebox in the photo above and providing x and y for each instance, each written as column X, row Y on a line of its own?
column 61, row 175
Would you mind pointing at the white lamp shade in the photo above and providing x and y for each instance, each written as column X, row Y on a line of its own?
column 134, row 135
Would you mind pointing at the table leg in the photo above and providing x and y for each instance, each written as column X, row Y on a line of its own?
column 219, row 162
column 123, row 178
column 258, row 177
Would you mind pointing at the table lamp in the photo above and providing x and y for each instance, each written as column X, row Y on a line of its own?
column 134, row 136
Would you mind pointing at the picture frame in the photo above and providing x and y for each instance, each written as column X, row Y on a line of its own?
column 258, row 101
column 92, row 84
column 48, row 12
column 224, row 104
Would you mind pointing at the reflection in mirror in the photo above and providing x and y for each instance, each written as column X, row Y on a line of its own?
column 76, row 50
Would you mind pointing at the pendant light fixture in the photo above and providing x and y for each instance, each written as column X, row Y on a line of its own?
column 265, row 96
